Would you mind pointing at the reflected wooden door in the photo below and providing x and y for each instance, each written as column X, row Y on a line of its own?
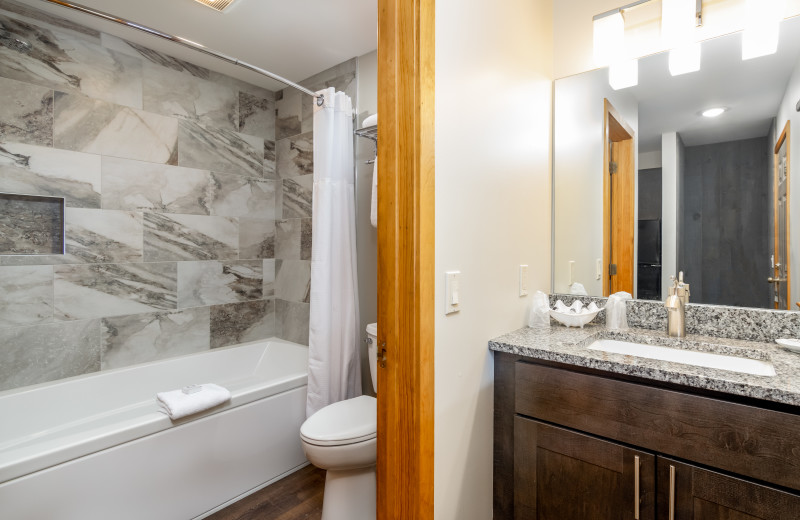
column 619, row 183
column 780, row 264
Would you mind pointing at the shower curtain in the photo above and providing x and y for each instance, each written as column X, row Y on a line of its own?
column 334, row 368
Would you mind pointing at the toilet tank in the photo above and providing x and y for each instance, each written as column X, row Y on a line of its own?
column 372, row 352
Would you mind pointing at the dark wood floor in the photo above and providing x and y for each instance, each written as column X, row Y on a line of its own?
column 296, row 497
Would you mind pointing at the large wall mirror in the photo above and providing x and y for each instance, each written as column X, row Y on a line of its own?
column 645, row 185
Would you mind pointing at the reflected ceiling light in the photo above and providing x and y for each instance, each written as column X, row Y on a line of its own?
column 762, row 26
column 624, row 74
column 684, row 59
column 714, row 112
column 609, row 38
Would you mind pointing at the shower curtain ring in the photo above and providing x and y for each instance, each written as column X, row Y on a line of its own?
column 320, row 100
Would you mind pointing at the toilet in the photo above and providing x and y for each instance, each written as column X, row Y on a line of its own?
column 341, row 438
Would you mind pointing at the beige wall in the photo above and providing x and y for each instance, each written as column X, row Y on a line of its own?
column 493, row 92
column 572, row 28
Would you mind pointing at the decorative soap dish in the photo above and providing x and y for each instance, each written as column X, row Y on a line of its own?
column 790, row 344
column 575, row 315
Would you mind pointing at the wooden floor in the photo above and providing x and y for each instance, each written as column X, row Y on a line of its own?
column 296, row 497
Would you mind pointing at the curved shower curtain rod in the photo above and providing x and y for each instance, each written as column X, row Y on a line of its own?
column 186, row 43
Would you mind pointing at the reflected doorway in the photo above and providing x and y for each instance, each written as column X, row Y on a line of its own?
column 780, row 278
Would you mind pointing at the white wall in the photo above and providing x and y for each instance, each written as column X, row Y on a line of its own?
column 579, row 184
column 572, row 20
column 366, row 235
column 671, row 165
column 788, row 112
column 493, row 88
column 648, row 160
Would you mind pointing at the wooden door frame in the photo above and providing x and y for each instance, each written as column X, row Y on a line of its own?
column 406, row 259
column 784, row 138
column 614, row 129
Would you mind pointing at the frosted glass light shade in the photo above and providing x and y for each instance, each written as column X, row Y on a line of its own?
column 624, row 74
column 762, row 27
column 677, row 22
column 684, row 59
column 609, row 39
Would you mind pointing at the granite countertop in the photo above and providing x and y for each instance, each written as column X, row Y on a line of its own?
column 569, row 346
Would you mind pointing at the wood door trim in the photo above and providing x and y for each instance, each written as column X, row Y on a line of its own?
column 406, row 259
column 784, row 138
column 615, row 129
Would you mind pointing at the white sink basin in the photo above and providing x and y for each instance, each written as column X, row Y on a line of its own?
column 755, row 367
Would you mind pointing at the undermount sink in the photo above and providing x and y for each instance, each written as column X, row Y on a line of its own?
column 743, row 365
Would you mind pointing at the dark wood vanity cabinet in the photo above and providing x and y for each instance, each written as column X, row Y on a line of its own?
column 579, row 446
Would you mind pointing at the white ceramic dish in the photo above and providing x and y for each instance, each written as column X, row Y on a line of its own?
column 573, row 320
column 790, row 344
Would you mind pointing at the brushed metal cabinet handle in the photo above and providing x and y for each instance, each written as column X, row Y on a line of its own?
column 636, row 491
column 671, row 492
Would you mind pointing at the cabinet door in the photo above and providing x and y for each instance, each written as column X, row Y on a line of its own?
column 563, row 475
column 687, row 492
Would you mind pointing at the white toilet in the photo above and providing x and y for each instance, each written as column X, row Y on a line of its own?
column 341, row 438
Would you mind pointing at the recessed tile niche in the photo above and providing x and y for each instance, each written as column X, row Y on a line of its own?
column 31, row 225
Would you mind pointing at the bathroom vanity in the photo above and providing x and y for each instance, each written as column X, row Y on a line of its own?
column 584, row 433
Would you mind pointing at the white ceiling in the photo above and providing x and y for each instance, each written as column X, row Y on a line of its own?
column 751, row 89
column 292, row 38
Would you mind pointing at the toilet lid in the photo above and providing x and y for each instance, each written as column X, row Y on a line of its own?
column 345, row 422
column 372, row 329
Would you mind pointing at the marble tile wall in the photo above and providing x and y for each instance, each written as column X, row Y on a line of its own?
column 168, row 174
column 188, row 199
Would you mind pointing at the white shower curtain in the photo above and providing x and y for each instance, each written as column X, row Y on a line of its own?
column 334, row 368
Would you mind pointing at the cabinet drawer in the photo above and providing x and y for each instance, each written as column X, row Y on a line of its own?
column 751, row 441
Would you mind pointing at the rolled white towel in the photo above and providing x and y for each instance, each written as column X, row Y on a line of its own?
column 192, row 399
column 370, row 121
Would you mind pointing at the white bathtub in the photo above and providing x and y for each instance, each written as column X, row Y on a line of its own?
column 96, row 446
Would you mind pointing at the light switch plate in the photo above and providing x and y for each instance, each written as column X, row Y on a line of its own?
column 452, row 292
column 523, row 280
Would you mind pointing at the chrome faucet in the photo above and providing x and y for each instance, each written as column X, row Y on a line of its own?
column 676, row 307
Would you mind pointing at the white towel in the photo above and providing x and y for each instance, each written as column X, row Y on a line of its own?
column 370, row 121
column 373, row 214
column 177, row 403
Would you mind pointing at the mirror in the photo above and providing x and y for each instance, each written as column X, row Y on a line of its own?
column 646, row 186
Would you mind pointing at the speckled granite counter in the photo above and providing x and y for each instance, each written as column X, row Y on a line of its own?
column 569, row 346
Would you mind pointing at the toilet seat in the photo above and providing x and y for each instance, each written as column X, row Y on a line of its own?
column 346, row 422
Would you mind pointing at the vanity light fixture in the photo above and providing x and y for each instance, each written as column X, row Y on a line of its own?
column 684, row 59
column 624, row 74
column 217, row 5
column 714, row 112
column 678, row 21
column 762, row 27
column 609, row 38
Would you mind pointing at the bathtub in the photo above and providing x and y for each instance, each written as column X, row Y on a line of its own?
column 96, row 446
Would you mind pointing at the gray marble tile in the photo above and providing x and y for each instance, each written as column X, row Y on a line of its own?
column 269, row 278
column 26, row 114
column 189, row 237
column 99, row 290
column 172, row 93
column 93, row 126
column 305, row 238
column 257, row 116
column 288, row 120
column 270, row 171
column 128, row 340
column 140, row 51
column 27, row 295
column 62, row 61
column 237, row 196
column 295, row 156
column 36, row 170
column 292, row 321
column 293, row 280
column 256, row 238
column 48, row 352
column 30, row 14
column 215, row 283
column 161, row 188
column 219, row 150
column 296, row 196
column 288, row 239
column 241, row 322
column 31, row 225
column 104, row 236
column 341, row 77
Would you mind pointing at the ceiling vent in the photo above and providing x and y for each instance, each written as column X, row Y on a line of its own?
column 217, row 5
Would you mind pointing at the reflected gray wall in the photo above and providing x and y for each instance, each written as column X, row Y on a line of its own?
column 724, row 233
column 649, row 193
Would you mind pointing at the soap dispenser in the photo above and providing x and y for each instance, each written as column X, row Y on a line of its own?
column 677, row 299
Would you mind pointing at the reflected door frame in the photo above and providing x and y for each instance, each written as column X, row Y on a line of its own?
column 779, row 275
column 619, row 200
